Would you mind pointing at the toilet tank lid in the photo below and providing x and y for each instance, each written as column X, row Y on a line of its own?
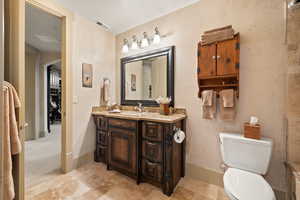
column 263, row 140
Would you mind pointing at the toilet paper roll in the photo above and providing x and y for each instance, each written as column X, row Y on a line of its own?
column 179, row 136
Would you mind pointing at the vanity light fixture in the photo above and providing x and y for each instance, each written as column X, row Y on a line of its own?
column 143, row 43
column 156, row 37
column 125, row 46
column 134, row 44
column 145, row 40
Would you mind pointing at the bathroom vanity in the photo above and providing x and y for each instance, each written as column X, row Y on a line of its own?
column 142, row 146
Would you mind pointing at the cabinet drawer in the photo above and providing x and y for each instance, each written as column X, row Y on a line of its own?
column 102, row 138
column 152, row 131
column 152, row 151
column 152, row 170
column 101, row 154
column 121, row 123
column 101, row 123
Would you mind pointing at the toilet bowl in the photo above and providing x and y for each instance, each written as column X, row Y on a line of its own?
column 247, row 160
column 243, row 185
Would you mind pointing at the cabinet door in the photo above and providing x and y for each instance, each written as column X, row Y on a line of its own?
column 122, row 149
column 228, row 57
column 207, row 60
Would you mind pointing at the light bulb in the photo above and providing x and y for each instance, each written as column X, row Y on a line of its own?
column 125, row 46
column 145, row 41
column 134, row 44
column 156, row 37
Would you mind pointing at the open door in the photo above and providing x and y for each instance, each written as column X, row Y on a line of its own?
column 14, row 72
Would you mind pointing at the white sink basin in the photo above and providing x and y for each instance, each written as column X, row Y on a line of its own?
column 132, row 113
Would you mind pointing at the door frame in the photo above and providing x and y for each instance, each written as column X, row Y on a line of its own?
column 1, row 93
column 16, row 75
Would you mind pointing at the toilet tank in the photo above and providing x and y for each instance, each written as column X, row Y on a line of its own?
column 246, row 154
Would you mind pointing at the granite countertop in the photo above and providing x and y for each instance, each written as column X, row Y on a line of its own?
column 149, row 116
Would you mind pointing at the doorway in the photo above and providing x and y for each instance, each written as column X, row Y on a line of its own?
column 42, row 95
column 14, row 73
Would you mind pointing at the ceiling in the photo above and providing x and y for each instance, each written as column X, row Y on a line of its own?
column 43, row 31
column 121, row 15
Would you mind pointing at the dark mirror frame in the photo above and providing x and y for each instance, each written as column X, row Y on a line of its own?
column 169, row 52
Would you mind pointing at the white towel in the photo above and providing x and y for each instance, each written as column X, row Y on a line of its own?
column 106, row 86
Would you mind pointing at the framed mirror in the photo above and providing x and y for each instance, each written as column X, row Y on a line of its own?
column 147, row 76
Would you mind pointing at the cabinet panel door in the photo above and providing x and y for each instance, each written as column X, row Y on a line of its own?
column 228, row 57
column 207, row 60
column 122, row 149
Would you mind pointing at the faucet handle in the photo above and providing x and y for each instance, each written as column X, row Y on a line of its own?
column 140, row 104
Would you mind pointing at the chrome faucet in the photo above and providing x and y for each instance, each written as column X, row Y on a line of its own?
column 139, row 108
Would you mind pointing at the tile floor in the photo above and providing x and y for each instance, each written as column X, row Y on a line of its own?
column 94, row 182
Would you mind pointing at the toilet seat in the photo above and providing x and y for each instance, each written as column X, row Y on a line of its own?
column 243, row 185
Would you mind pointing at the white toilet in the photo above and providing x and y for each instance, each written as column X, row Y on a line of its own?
column 247, row 160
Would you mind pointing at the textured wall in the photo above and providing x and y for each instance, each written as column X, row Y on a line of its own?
column 262, row 74
column 31, row 62
column 94, row 45
column 293, row 85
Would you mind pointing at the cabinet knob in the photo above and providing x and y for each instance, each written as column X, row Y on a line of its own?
column 218, row 57
column 214, row 57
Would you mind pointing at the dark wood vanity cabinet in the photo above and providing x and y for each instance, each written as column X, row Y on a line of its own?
column 101, row 139
column 143, row 150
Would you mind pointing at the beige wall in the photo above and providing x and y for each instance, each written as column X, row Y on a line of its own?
column 262, row 73
column 94, row 45
column 31, row 63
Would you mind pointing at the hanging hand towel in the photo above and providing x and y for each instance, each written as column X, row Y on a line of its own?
column 227, row 105
column 228, row 98
column 106, row 85
column 12, row 144
column 209, row 104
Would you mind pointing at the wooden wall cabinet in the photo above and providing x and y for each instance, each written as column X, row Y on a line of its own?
column 143, row 150
column 218, row 65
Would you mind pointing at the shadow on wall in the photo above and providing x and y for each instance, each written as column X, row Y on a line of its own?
column 87, row 144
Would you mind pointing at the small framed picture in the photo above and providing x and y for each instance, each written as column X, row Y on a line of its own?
column 133, row 82
column 87, row 75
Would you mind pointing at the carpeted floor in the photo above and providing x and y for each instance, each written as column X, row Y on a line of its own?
column 42, row 157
